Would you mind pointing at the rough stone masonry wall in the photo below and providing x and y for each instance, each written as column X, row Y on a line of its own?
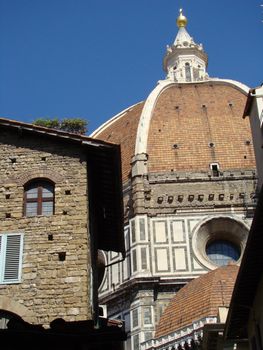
column 50, row 288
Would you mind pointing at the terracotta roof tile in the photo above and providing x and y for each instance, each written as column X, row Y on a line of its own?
column 199, row 298
column 192, row 116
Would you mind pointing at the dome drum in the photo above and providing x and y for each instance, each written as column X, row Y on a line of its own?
column 169, row 192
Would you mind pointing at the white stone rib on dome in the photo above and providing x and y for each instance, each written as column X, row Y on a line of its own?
column 241, row 86
column 144, row 123
column 145, row 119
column 105, row 125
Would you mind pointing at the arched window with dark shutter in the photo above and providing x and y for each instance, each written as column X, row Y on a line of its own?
column 39, row 198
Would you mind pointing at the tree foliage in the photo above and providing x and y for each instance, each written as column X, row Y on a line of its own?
column 75, row 125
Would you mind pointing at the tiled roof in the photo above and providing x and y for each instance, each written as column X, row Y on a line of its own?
column 60, row 134
column 198, row 299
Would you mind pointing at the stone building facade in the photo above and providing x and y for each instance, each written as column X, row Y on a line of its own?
column 189, row 184
column 52, row 223
column 244, row 326
column 254, row 109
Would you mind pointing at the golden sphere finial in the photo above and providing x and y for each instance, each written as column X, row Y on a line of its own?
column 181, row 19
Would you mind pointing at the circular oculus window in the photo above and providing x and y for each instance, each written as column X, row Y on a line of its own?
column 218, row 240
column 222, row 252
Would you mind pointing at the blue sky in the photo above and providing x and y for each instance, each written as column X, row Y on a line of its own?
column 93, row 58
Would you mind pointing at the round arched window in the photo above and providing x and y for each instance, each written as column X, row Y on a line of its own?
column 39, row 198
column 221, row 252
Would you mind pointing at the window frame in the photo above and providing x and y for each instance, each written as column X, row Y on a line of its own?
column 135, row 318
column 136, row 341
column 147, row 315
column 188, row 73
column 39, row 199
column 214, row 169
column 3, row 257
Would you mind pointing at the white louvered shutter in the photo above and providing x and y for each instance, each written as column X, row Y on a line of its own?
column 1, row 258
column 13, row 258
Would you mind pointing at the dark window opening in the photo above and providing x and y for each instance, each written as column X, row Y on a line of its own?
column 62, row 256
column 188, row 76
column 215, row 169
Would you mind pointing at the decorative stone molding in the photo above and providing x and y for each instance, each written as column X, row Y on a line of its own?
column 23, row 178
column 139, row 164
column 175, row 340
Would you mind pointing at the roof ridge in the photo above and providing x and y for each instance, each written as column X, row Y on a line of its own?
column 50, row 131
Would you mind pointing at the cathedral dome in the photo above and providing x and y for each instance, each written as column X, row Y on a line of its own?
column 199, row 299
column 189, row 187
column 187, row 123
column 184, row 127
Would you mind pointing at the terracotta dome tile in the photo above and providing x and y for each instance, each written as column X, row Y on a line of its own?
column 199, row 298
column 123, row 131
column 202, row 116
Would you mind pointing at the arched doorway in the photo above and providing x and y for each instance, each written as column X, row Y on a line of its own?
column 5, row 317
